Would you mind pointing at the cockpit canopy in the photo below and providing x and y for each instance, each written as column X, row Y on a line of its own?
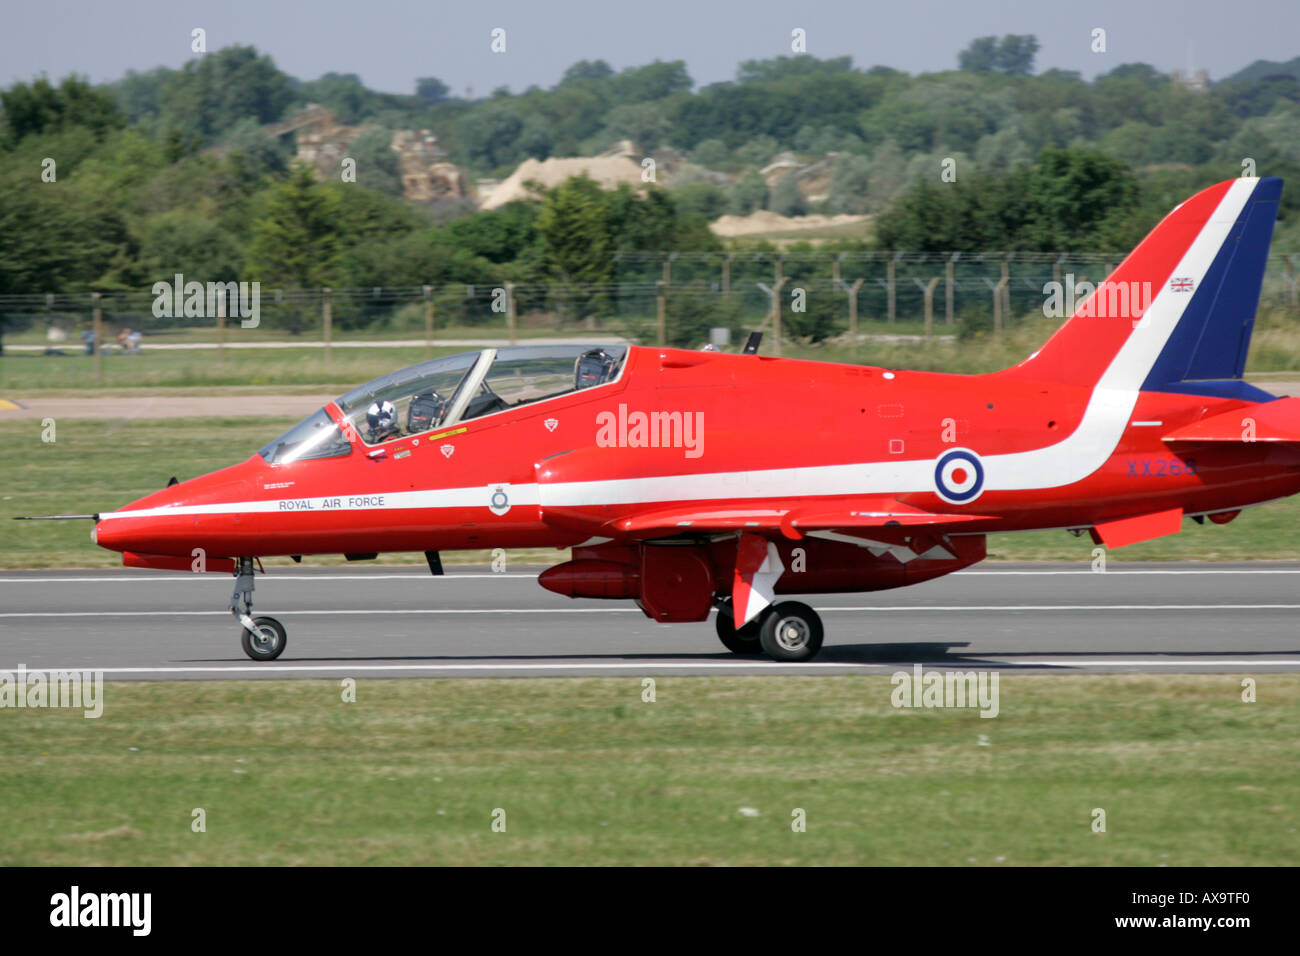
column 448, row 391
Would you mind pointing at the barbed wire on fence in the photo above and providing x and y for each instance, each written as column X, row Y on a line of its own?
column 662, row 296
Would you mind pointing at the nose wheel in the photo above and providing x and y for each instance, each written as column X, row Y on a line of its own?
column 263, row 638
column 266, row 642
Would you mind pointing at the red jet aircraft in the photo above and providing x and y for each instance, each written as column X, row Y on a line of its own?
column 692, row 480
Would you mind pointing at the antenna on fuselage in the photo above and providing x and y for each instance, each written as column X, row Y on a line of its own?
column 752, row 343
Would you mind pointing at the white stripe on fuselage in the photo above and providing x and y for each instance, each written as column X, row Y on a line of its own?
column 1070, row 460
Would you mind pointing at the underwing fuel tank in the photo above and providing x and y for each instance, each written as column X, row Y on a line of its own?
column 593, row 579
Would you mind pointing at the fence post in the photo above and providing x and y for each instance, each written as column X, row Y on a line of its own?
column 1006, row 285
column 726, row 274
column 512, row 325
column 998, row 291
column 98, row 316
column 890, row 285
column 929, row 305
column 661, row 314
column 428, row 321
column 776, row 312
column 949, row 271
column 327, row 305
column 1290, row 270
column 853, row 309
column 221, row 329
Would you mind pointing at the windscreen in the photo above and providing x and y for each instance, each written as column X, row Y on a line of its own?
column 314, row 437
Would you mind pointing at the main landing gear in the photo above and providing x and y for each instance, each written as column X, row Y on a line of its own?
column 263, row 638
column 787, row 631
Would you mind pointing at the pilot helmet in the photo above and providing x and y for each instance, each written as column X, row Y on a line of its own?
column 381, row 417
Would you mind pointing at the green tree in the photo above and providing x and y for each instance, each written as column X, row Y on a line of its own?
column 263, row 154
column 705, row 200
column 431, row 89
column 377, row 164
column 57, row 237
column 587, row 70
column 758, row 151
column 40, row 107
column 980, row 56
column 578, row 247
column 850, row 185
column 748, row 193
column 1013, row 55
column 1016, row 54
column 295, row 242
column 217, row 90
column 643, row 123
column 643, row 84
column 500, row 235
column 1070, row 195
column 191, row 244
column 712, row 153
column 786, row 197
column 489, row 135
column 782, row 68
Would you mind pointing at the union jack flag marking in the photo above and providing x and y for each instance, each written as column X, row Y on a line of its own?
column 1180, row 285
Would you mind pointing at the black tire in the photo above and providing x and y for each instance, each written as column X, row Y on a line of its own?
column 791, row 632
column 268, row 643
column 742, row 640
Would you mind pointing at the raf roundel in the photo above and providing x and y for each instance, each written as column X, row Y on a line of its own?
column 499, row 499
column 959, row 476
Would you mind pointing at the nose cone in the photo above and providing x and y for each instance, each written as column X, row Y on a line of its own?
column 210, row 513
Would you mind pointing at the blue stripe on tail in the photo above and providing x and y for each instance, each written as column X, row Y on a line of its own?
column 1206, row 353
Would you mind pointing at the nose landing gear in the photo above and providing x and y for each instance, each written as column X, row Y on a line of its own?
column 263, row 638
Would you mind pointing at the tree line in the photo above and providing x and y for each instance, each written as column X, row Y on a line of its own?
column 172, row 170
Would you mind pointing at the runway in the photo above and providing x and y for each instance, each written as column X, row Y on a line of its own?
column 403, row 622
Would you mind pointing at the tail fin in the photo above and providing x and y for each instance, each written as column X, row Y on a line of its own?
column 1177, row 314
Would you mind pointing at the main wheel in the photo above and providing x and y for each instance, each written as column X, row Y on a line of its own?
column 738, row 640
column 791, row 632
column 269, row 641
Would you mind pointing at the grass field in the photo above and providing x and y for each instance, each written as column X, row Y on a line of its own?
column 269, row 332
column 1275, row 348
column 100, row 466
column 588, row 773
column 32, row 373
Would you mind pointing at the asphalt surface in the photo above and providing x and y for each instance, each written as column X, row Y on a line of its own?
column 402, row 622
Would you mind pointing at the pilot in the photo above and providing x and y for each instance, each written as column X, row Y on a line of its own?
column 594, row 367
column 381, row 421
column 426, row 412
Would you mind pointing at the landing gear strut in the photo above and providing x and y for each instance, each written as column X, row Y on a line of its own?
column 263, row 638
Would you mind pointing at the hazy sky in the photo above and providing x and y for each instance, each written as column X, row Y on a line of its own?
column 391, row 42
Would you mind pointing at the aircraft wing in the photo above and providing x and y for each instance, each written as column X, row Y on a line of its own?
column 793, row 523
column 1277, row 421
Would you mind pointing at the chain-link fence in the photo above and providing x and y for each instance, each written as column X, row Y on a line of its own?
column 667, row 298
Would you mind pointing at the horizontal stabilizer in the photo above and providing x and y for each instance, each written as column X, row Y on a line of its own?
column 1126, row 531
column 1277, row 421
